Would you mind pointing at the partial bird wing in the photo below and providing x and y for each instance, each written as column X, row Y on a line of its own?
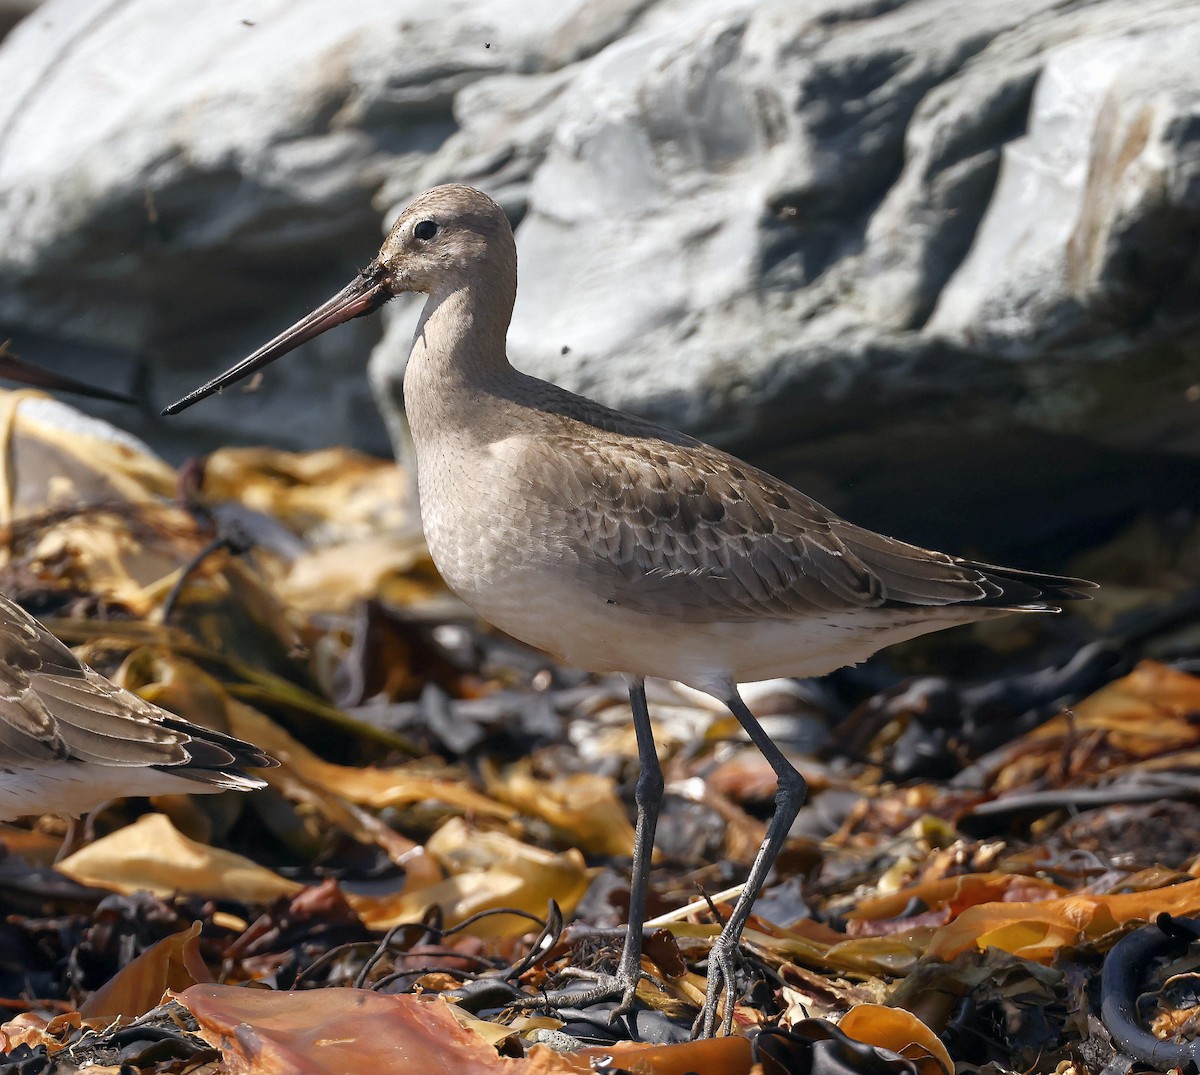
column 53, row 707
column 670, row 525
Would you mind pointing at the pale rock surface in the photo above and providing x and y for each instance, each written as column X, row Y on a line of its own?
column 936, row 262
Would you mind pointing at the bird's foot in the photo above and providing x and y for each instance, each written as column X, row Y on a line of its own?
column 719, row 995
column 604, row 987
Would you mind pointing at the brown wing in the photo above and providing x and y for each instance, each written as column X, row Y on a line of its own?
column 672, row 526
column 54, row 707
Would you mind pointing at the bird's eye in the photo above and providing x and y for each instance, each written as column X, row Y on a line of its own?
column 425, row 230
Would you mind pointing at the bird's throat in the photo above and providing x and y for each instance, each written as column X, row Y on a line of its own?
column 457, row 363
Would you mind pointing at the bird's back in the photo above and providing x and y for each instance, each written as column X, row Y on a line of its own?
column 683, row 528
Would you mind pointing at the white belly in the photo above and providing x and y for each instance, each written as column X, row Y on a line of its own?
column 74, row 788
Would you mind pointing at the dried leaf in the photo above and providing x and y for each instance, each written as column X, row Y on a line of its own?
column 333, row 1031
column 33, row 1030
column 583, row 807
column 1036, row 931
column 953, row 893
column 488, row 870
column 33, row 845
column 492, row 1033
column 367, row 785
column 338, row 1030
column 334, row 578
column 50, row 459
column 1145, row 715
column 713, row 1056
column 894, row 954
column 172, row 963
column 900, row 1031
column 328, row 496
column 99, row 552
column 152, row 854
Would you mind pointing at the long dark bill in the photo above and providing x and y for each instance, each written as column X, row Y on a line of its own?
column 17, row 369
column 365, row 294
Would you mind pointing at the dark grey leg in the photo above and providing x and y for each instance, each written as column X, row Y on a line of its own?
column 788, row 800
column 648, row 796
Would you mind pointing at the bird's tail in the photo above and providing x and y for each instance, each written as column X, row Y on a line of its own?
column 1029, row 591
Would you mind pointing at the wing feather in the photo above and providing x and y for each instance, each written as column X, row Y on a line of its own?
column 54, row 708
column 668, row 525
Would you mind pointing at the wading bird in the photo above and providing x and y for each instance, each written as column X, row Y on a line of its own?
column 619, row 546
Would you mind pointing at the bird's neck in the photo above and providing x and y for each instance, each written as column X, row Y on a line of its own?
column 458, row 361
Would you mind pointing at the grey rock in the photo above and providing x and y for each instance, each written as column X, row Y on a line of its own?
column 12, row 12
column 176, row 183
column 935, row 262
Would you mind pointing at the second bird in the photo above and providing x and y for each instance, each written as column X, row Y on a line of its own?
column 619, row 546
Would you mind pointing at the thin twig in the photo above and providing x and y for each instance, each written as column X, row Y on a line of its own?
column 681, row 913
column 233, row 539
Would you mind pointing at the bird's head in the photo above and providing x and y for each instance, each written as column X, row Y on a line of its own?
column 447, row 238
